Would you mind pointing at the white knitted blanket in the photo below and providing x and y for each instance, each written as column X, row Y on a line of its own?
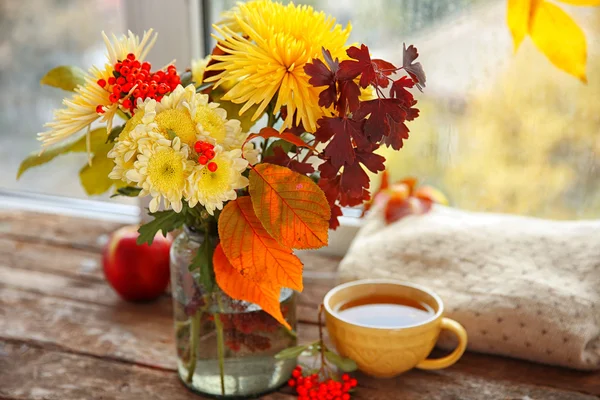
column 522, row 287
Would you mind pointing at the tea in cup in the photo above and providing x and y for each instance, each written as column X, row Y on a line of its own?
column 388, row 327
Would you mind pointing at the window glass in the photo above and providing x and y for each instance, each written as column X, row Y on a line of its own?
column 36, row 36
column 498, row 131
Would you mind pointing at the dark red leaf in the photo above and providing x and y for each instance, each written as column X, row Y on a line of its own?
column 331, row 188
column 399, row 92
column 349, row 93
column 322, row 76
column 328, row 171
column 280, row 157
column 412, row 113
column 383, row 69
column 340, row 132
column 415, row 70
column 268, row 132
column 381, row 112
column 398, row 133
column 373, row 72
column 334, row 65
column 336, row 211
column 350, row 69
column 374, row 162
column 355, row 181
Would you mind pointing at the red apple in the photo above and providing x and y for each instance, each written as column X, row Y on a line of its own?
column 137, row 273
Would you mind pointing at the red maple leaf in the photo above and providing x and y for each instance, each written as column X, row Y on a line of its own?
column 371, row 71
column 381, row 112
column 340, row 132
column 280, row 157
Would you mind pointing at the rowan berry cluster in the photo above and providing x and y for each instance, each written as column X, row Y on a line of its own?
column 311, row 387
column 133, row 80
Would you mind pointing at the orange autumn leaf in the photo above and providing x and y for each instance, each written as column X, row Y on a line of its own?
column 252, row 251
column 237, row 287
column 291, row 207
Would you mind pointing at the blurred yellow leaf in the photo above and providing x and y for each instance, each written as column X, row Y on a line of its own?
column 66, row 77
column 517, row 16
column 557, row 36
column 94, row 177
column 582, row 2
column 37, row 158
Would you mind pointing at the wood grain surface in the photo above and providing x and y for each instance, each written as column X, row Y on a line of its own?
column 65, row 335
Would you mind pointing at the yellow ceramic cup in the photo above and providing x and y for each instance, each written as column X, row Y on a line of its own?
column 387, row 352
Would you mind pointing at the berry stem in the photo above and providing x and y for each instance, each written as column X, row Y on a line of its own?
column 322, row 370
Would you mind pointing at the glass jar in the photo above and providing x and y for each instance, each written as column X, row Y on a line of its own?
column 225, row 347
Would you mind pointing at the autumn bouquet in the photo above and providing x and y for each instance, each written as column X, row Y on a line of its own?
column 253, row 151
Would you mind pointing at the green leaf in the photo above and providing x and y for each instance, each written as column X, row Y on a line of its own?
column 186, row 78
column 36, row 158
column 114, row 133
column 65, row 77
column 204, row 86
column 291, row 352
column 129, row 191
column 285, row 145
column 204, row 262
column 345, row 364
column 94, row 177
column 165, row 221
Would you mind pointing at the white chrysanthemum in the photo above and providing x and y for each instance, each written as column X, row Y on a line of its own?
column 162, row 170
column 252, row 153
column 198, row 68
column 125, row 150
column 216, row 129
column 213, row 189
column 191, row 117
column 80, row 109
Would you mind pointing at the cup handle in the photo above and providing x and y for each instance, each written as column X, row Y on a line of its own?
column 444, row 362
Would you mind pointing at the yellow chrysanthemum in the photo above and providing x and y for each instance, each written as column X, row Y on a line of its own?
column 125, row 149
column 80, row 110
column 213, row 189
column 162, row 170
column 266, row 57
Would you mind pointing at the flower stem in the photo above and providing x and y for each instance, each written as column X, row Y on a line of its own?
column 220, row 344
column 194, row 333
